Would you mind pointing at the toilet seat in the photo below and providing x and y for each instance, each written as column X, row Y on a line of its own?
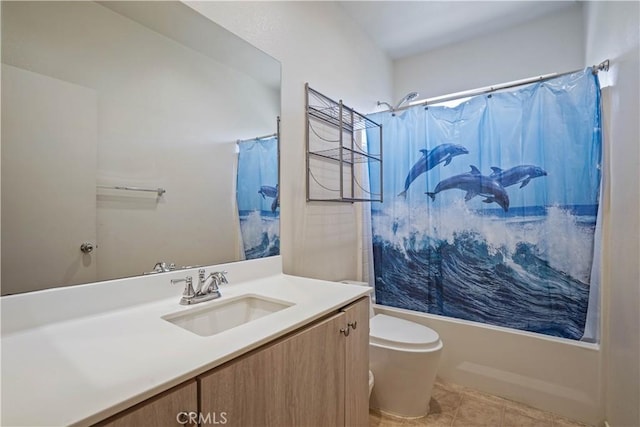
column 399, row 333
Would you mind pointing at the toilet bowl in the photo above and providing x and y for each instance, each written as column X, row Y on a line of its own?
column 403, row 357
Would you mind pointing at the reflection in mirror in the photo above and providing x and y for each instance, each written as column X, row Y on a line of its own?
column 144, row 95
column 259, row 216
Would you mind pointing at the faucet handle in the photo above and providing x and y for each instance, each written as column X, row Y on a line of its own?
column 217, row 278
column 221, row 276
column 188, row 287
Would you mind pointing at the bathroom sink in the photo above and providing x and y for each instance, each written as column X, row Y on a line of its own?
column 217, row 317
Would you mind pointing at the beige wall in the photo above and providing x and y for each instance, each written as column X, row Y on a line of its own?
column 318, row 44
column 549, row 44
column 612, row 31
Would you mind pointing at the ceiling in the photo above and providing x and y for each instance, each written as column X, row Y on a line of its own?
column 404, row 28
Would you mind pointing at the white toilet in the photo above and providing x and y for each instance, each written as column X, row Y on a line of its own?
column 403, row 356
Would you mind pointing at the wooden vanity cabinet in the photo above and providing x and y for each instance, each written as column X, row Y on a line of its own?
column 317, row 376
column 162, row 410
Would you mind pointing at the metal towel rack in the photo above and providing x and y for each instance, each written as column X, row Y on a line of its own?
column 159, row 191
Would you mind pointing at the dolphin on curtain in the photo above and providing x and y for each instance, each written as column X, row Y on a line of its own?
column 430, row 159
column 269, row 191
column 522, row 173
column 475, row 184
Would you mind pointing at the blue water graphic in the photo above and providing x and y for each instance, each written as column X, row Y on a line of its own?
column 523, row 272
column 260, row 233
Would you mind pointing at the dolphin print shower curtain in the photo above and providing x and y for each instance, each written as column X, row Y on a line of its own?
column 258, row 197
column 490, row 208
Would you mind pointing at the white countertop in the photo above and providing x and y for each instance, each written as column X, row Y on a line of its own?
column 80, row 366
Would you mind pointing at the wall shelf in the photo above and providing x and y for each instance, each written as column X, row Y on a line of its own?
column 343, row 148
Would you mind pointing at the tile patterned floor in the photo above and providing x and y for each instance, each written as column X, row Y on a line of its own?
column 455, row 406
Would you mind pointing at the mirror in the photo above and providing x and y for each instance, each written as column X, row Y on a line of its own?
column 98, row 96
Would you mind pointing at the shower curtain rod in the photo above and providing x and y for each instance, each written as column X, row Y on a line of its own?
column 603, row 66
column 271, row 135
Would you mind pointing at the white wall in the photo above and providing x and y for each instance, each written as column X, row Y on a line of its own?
column 168, row 116
column 545, row 45
column 612, row 31
column 316, row 43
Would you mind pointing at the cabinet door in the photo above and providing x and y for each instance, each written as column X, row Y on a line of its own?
column 169, row 409
column 357, row 364
column 298, row 381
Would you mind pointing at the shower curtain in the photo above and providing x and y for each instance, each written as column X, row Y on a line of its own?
column 258, row 197
column 490, row 208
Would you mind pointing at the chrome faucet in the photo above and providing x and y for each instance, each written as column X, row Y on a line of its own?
column 162, row 267
column 207, row 289
column 201, row 290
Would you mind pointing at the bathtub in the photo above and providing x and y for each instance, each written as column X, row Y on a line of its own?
column 553, row 374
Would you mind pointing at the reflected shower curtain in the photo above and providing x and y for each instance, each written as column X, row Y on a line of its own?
column 258, row 197
column 490, row 209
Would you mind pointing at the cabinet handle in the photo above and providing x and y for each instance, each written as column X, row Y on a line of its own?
column 353, row 324
column 345, row 331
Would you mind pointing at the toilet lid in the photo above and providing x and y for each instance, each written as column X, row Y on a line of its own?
column 388, row 330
